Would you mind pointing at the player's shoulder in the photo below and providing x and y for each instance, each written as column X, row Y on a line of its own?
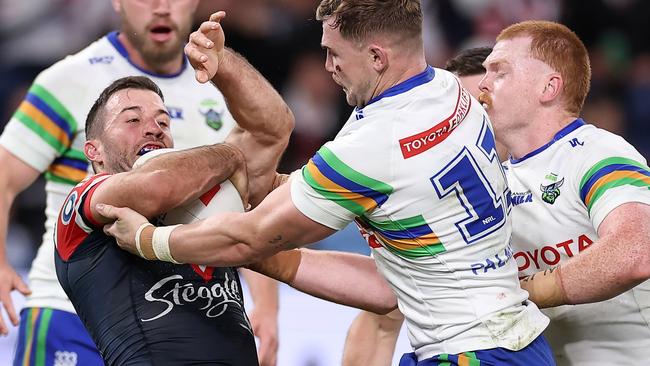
column 594, row 144
column 78, row 68
column 90, row 181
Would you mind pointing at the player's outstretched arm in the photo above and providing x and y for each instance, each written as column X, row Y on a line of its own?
column 155, row 187
column 15, row 177
column 226, row 239
column 371, row 339
column 265, row 121
column 344, row 278
column 233, row 239
column 616, row 262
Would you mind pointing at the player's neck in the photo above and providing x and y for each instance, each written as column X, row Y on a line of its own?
column 397, row 74
column 537, row 132
column 167, row 68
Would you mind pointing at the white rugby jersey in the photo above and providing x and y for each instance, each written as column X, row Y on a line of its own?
column 561, row 193
column 417, row 168
column 47, row 133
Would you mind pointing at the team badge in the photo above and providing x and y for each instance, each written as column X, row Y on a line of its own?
column 551, row 191
column 68, row 208
column 213, row 113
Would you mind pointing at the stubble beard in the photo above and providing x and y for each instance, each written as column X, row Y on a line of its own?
column 117, row 162
column 155, row 56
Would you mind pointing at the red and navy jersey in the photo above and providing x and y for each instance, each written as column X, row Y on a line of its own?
column 147, row 312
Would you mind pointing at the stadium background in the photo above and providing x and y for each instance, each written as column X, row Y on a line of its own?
column 281, row 38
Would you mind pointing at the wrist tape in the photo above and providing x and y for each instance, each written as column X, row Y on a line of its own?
column 152, row 242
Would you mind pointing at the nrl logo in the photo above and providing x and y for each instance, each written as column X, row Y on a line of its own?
column 551, row 191
column 210, row 109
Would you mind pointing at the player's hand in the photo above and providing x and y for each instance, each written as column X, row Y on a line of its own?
column 205, row 47
column 9, row 281
column 124, row 227
column 265, row 328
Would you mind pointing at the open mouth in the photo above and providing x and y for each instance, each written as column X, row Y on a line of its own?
column 161, row 33
column 148, row 148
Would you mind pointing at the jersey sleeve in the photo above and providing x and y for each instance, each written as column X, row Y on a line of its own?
column 75, row 222
column 613, row 175
column 42, row 130
column 346, row 178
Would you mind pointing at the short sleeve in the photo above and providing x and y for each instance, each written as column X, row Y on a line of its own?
column 341, row 181
column 614, row 175
column 44, row 125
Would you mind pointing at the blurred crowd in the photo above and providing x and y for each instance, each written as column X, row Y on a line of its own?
column 282, row 39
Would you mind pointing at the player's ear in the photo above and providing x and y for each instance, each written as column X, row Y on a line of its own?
column 378, row 57
column 92, row 151
column 552, row 88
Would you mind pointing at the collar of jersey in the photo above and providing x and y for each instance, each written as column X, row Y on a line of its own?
column 417, row 80
column 563, row 132
column 112, row 37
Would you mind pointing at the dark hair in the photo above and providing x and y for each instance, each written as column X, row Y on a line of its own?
column 469, row 62
column 94, row 123
column 356, row 19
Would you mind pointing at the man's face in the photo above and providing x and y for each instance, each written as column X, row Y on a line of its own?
column 350, row 65
column 156, row 28
column 136, row 123
column 512, row 84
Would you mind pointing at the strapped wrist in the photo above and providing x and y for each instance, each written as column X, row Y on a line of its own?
column 152, row 242
column 160, row 243
column 143, row 241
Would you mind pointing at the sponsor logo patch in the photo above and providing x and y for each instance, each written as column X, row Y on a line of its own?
column 423, row 141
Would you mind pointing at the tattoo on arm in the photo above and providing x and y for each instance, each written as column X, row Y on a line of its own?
column 279, row 243
column 545, row 273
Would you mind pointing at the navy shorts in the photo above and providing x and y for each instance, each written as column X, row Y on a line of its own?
column 54, row 337
column 537, row 353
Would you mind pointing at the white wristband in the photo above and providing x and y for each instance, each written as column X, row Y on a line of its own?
column 137, row 238
column 160, row 242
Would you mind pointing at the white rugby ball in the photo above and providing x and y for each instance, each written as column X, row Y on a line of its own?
column 223, row 197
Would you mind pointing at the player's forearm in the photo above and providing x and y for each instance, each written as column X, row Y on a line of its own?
column 5, row 204
column 213, row 242
column 344, row 278
column 254, row 103
column 234, row 239
column 606, row 270
column 615, row 263
column 15, row 177
column 176, row 178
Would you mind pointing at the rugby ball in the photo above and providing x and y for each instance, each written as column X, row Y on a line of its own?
column 223, row 197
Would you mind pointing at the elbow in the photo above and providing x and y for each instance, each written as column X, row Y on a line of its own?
column 385, row 308
column 284, row 124
column 386, row 302
column 288, row 122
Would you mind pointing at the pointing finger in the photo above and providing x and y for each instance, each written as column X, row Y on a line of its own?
column 218, row 16
column 207, row 27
